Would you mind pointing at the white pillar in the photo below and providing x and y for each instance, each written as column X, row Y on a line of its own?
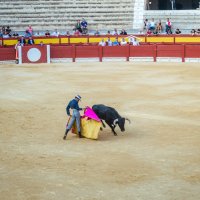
column 138, row 16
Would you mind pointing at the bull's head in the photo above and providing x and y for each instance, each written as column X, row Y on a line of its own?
column 121, row 123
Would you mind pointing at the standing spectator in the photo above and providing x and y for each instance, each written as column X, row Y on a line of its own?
column 84, row 25
column 123, row 42
column 152, row 25
column 178, row 31
column 123, row 32
column 146, row 24
column 31, row 41
column 116, row 43
column 27, row 34
column 102, row 43
column 30, row 30
column 97, row 32
column 115, row 32
column 78, row 26
column 55, row 33
column 168, row 26
column 109, row 42
column 159, row 27
column 22, row 41
column 47, row 34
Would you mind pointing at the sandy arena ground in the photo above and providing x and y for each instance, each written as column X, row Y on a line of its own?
column 157, row 158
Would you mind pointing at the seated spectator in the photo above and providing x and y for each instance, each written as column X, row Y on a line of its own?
column 27, row 34
column 47, row 34
column 178, row 31
column 8, row 30
column 97, row 32
column 198, row 31
column 31, row 41
column 68, row 33
column 123, row 32
column 168, row 26
column 134, row 41
column 108, row 33
column 77, row 32
column 37, row 34
column 109, row 42
column 149, row 32
column 159, row 27
column 115, row 32
column 152, row 25
column 193, row 32
column 22, row 41
column 123, row 42
column 15, row 34
column 30, row 30
column 55, row 33
column 102, row 43
column 3, row 30
column 116, row 43
column 6, row 35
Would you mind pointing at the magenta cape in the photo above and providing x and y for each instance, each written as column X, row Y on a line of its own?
column 91, row 114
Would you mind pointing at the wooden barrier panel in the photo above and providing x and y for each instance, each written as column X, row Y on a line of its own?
column 170, row 51
column 192, row 51
column 7, row 54
column 116, row 51
column 87, row 51
column 61, row 52
column 142, row 51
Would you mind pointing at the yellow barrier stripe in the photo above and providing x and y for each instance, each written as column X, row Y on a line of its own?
column 160, row 39
column 10, row 42
column 187, row 39
column 78, row 40
column 47, row 40
column 64, row 40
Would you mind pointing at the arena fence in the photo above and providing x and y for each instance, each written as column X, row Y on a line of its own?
column 75, row 53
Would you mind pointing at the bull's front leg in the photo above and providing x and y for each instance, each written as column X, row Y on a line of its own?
column 113, row 129
column 103, row 123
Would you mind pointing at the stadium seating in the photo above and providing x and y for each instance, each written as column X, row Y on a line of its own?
column 62, row 14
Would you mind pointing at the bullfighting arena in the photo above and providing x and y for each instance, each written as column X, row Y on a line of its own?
column 156, row 158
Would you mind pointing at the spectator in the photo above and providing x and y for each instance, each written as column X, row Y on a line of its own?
column 109, row 42
column 198, row 31
column 15, row 34
column 152, row 25
column 78, row 26
column 123, row 42
column 84, row 25
column 193, row 32
column 159, row 27
column 102, row 43
column 97, row 32
column 135, row 42
column 178, row 31
column 41, row 43
column 146, row 24
column 115, row 32
column 47, row 34
column 55, row 33
column 3, row 30
column 30, row 30
column 22, row 41
column 37, row 34
column 116, row 43
column 77, row 32
column 108, row 33
column 168, row 26
column 67, row 33
column 6, row 35
column 31, row 41
column 149, row 32
column 123, row 32
column 1, row 34
column 27, row 34
column 8, row 30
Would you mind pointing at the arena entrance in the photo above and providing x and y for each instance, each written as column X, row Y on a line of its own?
column 172, row 5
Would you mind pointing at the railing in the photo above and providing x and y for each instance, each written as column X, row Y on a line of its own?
column 144, row 39
column 153, row 51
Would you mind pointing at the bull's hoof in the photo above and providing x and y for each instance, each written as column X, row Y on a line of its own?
column 101, row 129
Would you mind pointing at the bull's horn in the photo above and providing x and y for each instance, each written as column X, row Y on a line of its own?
column 115, row 121
column 128, row 120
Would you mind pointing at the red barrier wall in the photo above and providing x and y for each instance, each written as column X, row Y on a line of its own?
column 7, row 54
column 192, row 51
column 87, row 51
column 143, row 51
column 170, row 50
column 116, row 51
column 61, row 52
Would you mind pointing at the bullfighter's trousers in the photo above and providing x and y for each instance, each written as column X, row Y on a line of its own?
column 75, row 116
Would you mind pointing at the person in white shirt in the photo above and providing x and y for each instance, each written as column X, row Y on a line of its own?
column 123, row 42
column 102, row 43
column 115, row 32
column 55, row 33
column 135, row 42
column 152, row 25
column 109, row 42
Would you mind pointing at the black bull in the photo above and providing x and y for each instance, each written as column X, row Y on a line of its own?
column 110, row 116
